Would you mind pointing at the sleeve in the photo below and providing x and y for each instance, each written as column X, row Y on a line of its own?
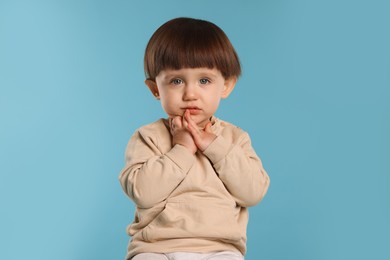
column 150, row 176
column 240, row 169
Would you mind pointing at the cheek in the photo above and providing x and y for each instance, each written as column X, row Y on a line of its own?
column 168, row 103
column 213, row 103
column 214, row 98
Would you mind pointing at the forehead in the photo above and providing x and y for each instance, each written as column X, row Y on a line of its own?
column 189, row 72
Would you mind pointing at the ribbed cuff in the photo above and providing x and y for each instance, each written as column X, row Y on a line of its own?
column 182, row 157
column 217, row 150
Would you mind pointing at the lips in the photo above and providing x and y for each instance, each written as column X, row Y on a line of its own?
column 193, row 110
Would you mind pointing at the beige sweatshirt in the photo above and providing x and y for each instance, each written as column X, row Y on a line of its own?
column 186, row 202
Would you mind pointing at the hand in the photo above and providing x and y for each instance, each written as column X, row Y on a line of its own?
column 180, row 134
column 201, row 137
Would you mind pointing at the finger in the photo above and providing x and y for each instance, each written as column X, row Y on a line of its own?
column 184, row 121
column 191, row 123
column 207, row 128
column 187, row 119
column 176, row 123
column 186, row 115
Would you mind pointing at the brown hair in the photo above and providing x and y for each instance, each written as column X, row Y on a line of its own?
column 190, row 43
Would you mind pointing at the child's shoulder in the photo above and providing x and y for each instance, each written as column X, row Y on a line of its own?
column 225, row 127
column 154, row 134
column 154, row 125
column 231, row 132
column 157, row 129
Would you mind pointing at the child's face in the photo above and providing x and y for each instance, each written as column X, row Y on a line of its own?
column 198, row 90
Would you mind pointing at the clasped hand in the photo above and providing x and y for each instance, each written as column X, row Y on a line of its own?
column 185, row 132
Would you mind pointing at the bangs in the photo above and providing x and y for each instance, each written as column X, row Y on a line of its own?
column 190, row 43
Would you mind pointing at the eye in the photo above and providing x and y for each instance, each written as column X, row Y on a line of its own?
column 204, row 81
column 176, row 81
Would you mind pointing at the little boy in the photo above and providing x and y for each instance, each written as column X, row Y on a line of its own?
column 192, row 176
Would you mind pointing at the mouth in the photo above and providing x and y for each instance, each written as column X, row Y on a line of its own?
column 193, row 110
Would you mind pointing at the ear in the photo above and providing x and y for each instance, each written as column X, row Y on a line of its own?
column 153, row 88
column 228, row 87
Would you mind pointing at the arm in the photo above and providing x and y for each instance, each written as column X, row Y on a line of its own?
column 150, row 176
column 239, row 168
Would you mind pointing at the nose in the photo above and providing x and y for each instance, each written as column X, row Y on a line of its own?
column 190, row 92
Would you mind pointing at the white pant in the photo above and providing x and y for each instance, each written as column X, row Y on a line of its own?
column 225, row 255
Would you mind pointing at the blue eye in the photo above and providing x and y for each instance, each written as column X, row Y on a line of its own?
column 204, row 81
column 176, row 81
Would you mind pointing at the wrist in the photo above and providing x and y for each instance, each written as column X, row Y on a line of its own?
column 207, row 141
column 189, row 148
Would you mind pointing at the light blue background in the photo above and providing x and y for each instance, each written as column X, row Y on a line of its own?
column 314, row 97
